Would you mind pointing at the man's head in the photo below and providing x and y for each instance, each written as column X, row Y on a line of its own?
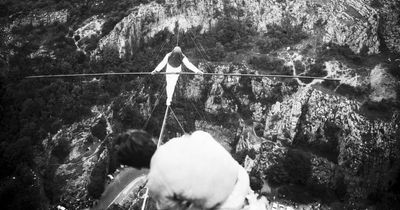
column 192, row 172
column 134, row 148
column 177, row 50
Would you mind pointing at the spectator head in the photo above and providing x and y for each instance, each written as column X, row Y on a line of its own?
column 134, row 148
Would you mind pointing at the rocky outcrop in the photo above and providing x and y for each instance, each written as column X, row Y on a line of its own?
column 383, row 85
column 334, row 139
column 351, row 23
column 41, row 18
column 43, row 52
column 149, row 19
column 321, row 141
column 35, row 19
column 77, row 163
column 86, row 36
column 290, row 138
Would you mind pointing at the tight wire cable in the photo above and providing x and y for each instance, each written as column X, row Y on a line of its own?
column 204, row 56
column 176, row 118
column 155, row 106
column 201, row 53
column 183, row 73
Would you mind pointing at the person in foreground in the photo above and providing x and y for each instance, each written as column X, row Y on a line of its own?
column 174, row 60
column 189, row 172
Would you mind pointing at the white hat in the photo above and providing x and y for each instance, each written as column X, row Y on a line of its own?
column 177, row 50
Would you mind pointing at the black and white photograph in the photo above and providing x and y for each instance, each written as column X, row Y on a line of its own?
column 199, row 104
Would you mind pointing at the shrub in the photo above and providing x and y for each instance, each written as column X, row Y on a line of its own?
column 97, row 179
column 353, row 92
column 299, row 67
column 376, row 4
column 269, row 44
column 377, row 110
column 216, row 53
column 317, row 70
column 332, row 132
column 100, row 129
column 256, row 183
column 92, row 43
column 298, row 166
column 270, row 65
column 394, row 68
column 333, row 51
column 276, row 175
column 234, row 34
column 282, row 35
column 61, row 151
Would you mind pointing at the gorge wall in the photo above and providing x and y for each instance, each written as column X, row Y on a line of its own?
column 306, row 144
column 353, row 23
column 311, row 146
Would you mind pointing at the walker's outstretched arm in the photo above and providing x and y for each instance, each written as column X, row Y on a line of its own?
column 190, row 66
column 161, row 65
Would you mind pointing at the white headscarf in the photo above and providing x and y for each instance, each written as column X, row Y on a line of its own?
column 194, row 168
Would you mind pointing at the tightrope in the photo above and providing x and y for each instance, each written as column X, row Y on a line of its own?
column 181, row 73
column 146, row 195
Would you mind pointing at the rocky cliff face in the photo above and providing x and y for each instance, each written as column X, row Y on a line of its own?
column 87, row 35
column 353, row 23
column 41, row 18
column 335, row 135
column 290, row 137
column 76, row 162
column 307, row 142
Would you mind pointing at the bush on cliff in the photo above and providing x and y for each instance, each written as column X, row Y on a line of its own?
column 298, row 166
column 279, row 36
column 276, row 175
column 97, row 179
column 270, row 65
column 233, row 33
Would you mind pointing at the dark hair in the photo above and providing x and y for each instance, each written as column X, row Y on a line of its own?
column 134, row 148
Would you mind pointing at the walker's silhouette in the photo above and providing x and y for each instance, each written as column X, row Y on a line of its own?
column 174, row 60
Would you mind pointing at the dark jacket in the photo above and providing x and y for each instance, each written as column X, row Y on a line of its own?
column 175, row 59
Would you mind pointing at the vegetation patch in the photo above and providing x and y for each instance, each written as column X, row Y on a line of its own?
column 270, row 65
column 100, row 129
column 97, row 179
column 378, row 110
column 279, row 36
column 332, row 51
column 33, row 110
column 376, row 4
column 230, row 34
column 298, row 166
column 394, row 68
column 300, row 68
column 61, row 151
column 315, row 70
column 276, row 175
column 357, row 93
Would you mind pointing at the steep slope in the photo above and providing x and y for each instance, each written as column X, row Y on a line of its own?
column 352, row 23
column 295, row 138
column 305, row 143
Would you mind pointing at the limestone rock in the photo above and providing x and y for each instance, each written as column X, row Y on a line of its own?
column 77, row 164
column 86, row 36
column 336, row 134
column 42, row 18
column 383, row 85
column 351, row 23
